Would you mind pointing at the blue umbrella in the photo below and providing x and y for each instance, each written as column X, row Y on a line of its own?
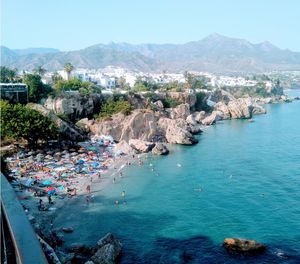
column 29, row 182
column 80, row 161
column 47, row 182
column 95, row 164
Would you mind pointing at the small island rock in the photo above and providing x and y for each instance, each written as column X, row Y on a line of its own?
column 240, row 245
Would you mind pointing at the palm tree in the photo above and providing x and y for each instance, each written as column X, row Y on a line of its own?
column 68, row 68
column 39, row 71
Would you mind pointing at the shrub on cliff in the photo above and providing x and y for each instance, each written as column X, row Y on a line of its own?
column 21, row 122
column 74, row 84
column 36, row 88
column 170, row 102
column 113, row 107
column 201, row 104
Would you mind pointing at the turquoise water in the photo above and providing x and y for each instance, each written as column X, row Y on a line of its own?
column 241, row 180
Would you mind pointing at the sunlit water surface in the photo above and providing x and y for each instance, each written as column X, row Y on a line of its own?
column 241, row 180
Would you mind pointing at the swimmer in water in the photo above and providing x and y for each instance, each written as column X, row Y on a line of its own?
column 123, row 196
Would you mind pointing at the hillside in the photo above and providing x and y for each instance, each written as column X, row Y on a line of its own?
column 215, row 53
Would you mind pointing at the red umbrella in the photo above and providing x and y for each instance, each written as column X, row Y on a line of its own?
column 49, row 189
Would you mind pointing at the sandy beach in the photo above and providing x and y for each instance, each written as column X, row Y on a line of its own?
column 86, row 185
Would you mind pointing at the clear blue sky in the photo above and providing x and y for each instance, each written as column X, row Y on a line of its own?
column 76, row 24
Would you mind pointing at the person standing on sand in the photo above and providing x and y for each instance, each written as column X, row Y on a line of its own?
column 49, row 199
column 88, row 188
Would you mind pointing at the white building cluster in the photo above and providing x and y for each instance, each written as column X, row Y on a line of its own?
column 108, row 77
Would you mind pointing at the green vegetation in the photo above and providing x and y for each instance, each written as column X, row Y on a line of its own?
column 201, row 104
column 144, row 86
column 39, row 71
column 195, row 82
column 36, row 88
column 74, row 84
column 68, row 67
column 170, row 103
column 114, row 106
column 21, row 122
column 8, row 75
column 167, row 102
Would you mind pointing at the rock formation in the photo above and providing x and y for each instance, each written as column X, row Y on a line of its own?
column 109, row 248
column 180, row 111
column 243, row 245
column 144, row 125
column 176, row 131
column 66, row 128
column 141, row 146
column 160, row 149
column 74, row 105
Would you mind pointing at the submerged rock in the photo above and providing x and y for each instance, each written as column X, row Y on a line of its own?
column 160, row 149
column 240, row 245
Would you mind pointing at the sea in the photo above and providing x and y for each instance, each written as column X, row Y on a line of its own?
column 241, row 180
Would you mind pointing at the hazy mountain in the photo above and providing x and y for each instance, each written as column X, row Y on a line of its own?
column 34, row 51
column 215, row 53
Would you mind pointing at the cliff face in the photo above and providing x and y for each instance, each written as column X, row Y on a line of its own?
column 75, row 106
column 173, row 125
column 145, row 125
column 65, row 128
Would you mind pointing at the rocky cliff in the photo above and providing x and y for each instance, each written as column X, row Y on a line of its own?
column 65, row 128
column 145, row 125
column 74, row 106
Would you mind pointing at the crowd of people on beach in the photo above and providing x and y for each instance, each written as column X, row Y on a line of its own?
column 56, row 173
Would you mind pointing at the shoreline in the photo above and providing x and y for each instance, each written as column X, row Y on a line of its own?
column 44, row 220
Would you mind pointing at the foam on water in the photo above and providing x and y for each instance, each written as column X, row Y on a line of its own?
column 241, row 180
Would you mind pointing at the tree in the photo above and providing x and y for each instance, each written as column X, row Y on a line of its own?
column 39, row 71
column 36, row 89
column 122, row 83
column 7, row 75
column 56, row 77
column 68, row 68
column 21, row 122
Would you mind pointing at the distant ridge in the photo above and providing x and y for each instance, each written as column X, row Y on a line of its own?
column 214, row 53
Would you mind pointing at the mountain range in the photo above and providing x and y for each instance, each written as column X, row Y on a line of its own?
column 215, row 53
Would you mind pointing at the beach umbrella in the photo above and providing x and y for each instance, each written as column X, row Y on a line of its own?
column 61, row 188
column 47, row 182
column 64, row 175
column 65, row 152
column 72, row 150
column 95, row 164
column 49, row 189
column 29, row 182
column 81, row 161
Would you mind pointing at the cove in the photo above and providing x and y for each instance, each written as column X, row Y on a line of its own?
column 241, row 180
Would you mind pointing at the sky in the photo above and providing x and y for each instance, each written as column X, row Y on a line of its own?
column 77, row 24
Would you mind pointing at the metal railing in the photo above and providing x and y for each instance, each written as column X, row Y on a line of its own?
column 19, row 241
